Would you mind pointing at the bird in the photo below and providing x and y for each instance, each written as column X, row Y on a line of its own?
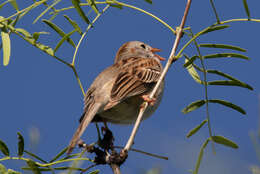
column 117, row 93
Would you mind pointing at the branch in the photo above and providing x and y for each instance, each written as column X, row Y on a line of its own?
column 115, row 168
column 171, row 59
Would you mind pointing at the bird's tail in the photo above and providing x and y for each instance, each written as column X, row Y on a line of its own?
column 89, row 115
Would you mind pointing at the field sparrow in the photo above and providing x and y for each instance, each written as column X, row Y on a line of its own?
column 117, row 93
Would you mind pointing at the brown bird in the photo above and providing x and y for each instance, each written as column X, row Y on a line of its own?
column 117, row 93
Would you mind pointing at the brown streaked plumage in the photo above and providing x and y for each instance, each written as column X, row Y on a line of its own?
column 116, row 94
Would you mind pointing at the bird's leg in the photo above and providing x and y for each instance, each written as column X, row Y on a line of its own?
column 151, row 101
column 105, row 128
column 107, row 142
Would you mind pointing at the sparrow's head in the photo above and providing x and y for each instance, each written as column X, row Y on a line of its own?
column 136, row 49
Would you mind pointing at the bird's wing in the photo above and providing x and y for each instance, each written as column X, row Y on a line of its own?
column 136, row 76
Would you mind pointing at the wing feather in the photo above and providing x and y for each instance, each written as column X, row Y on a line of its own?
column 136, row 76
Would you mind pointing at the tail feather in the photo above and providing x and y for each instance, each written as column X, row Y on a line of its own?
column 88, row 117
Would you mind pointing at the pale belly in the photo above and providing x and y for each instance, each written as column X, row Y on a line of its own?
column 127, row 111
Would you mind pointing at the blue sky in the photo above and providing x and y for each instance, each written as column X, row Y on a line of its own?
column 39, row 93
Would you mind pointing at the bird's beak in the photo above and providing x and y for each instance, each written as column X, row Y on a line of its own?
column 154, row 50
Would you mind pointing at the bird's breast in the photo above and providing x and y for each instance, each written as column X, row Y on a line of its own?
column 126, row 111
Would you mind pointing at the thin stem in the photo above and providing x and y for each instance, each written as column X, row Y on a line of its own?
column 79, row 82
column 66, row 160
column 143, row 152
column 215, row 11
column 86, row 169
column 115, row 168
column 77, row 47
column 165, row 70
column 205, row 89
column 75, row 163
column 238, row 20
column 61, row 60
column 76, row 50
column 47, row 164
column 25, row 9
column 84, row 34
column 14, row 158
column 72, row 7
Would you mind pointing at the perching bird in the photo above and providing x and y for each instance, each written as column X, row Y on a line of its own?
column 117, row 92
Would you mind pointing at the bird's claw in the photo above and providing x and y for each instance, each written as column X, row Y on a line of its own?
column 151, row 101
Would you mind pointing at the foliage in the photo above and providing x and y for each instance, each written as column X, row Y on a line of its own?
column 195, row 65
column 36, row 163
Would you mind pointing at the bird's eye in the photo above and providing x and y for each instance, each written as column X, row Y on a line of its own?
column 143, row 46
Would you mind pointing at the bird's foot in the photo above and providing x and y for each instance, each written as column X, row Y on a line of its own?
column 151, row 101
column 117, row 158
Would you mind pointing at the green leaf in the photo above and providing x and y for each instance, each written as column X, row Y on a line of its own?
column 190, row 61
column 194, row 105
column 24, row 32
column 20, row 144
column 221, row 74
column 14, row 22
column 59, row 31
column 2, row 168
column 116, row 6
column 39, row 169
column 59, row 154
column 70, row 156
column 26, row 35
column 197, row 67
column 10, row 171
column 46, row 10
column 230, row 83
column 63, row 39
column 224, row 55
column 200, row 156
column 33, row 166
column 6, row 46
column 56, row 168
column 74, row 24
column 214, row 28
column 228, row 104
column 223, row 46
column 233, row 82
column 196, row 129
column 246, row 9
column 2, row 24
column 1, row 5
column 80, row 11
column 37, row 34
column 45, row 48
column 193, row 72
column 53, row 16
column 31, row 40
column 149, row 1
column 14, row 4
column 93, row 6
column 4, row 149
column 224, row 141
column 35, row 156
column 94, row 172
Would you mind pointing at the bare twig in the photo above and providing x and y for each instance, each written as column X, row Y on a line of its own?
column 115, row 168
column 146, row 153
column 171, row 59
